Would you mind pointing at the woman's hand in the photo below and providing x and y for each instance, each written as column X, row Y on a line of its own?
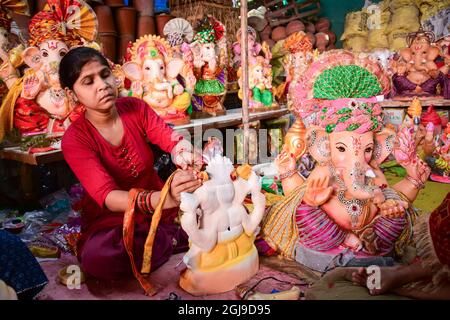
column 183, row 181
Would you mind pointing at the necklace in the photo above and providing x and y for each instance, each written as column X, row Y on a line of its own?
column 354, row 207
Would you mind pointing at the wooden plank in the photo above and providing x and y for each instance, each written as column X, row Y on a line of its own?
column 280, row 12
column 274, row 23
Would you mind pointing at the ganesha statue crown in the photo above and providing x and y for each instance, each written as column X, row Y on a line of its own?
column 222, row 254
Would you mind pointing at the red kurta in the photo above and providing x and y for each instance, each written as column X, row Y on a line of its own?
column 102, row 167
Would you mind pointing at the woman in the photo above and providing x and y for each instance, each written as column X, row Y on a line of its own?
column 107, row 150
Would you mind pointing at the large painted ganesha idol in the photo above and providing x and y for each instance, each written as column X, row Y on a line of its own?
column 346, row 205
column 37, row 104
column 154, row 74
column 416, row 73
column 210, row 60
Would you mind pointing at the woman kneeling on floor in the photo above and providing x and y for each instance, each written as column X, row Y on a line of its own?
column 107, row 149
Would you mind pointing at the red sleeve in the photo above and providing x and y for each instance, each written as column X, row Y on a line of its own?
column 86, row 165
column 157, row 131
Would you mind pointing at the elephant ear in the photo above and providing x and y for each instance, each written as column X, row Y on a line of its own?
column 384, row 145
column 132, row 71
column 433, row 53
column 318, row 144
column 32, row 57
column 174, row 68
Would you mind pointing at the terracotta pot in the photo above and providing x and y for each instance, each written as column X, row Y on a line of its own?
column 294, row 26
column 144, row 7
column 266, row 30
column 126, row 21
column 161, row 20
column 265, row 37
column 322, row 39
column 39, row 5
column 322, row 24
column 114, row 3
column 279, row 33
column 312, row 38
column 123, row 45
column 105, row 19
column 331, row 36
column 108, row 41
column 330, row 47
column 270, row 43
column 309, row 27
column 145, row 25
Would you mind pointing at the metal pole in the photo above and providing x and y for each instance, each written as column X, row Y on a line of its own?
column 244, row 66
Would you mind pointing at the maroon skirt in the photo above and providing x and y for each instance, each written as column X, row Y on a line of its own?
column 104, row 255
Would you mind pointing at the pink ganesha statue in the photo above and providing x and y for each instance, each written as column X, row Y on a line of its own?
column 416, row 72
column 36, row 103
column 221, row 232
column 346, row 205
column 154, row 73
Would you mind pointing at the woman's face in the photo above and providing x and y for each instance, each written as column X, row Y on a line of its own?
column 95, row 88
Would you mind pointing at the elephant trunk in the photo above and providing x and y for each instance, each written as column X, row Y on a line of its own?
column 357, row 184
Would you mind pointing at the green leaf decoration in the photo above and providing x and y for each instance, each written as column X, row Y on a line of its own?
column 346, row 82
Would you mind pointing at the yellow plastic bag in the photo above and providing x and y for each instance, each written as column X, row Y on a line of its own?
column 397, row 40
column 355, row 25
column 406, row 18
column 377, row 39
column 356, row 44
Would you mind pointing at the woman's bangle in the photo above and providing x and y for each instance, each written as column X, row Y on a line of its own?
column 416, row 183
column 11, row 76
column 287, row 174
column 144, row 202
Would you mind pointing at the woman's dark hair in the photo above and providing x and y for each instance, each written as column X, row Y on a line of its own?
column 72, row 63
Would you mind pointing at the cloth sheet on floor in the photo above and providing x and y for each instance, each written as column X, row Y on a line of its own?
column 165, row 278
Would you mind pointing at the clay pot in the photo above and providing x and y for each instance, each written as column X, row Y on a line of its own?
column 114, row 3
column 270, row 43
column 330, row 47
column 145, row 25
column 105, row 19
column 309, row 27
column 39, row 5
column 124, row 40
column 322, row 24
column 144, row 7
column 294, row 26
column 108, row 41
column 267, row 30
column 265, row 37
column 331, row 36
column 126, row 21
column 322, row 39
column 279, row 33
column 312, row 38
column 161, row 20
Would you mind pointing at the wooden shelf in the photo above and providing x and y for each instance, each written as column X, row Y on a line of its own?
column 424, row 102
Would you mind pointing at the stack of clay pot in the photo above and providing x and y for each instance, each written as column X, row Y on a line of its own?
column 107, row 33
column 319, row 33
column 126, row 27
column 145, row 19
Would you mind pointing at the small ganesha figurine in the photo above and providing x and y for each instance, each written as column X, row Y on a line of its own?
column 260, row 82
column 154, row 73
column 415, row 72
column 254, row 48
column 346, row 205
column 221, row 232
column 209, row 50
column 36, row 103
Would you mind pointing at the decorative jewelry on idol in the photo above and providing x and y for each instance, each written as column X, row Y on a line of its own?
column 354, row 207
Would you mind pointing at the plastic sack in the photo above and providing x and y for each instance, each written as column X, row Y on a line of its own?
column 356, row 44
column 404, row 18
column 396, row 4
column 57, row 202
column 34, row 222
column 355, row 25
column 377, row 39
column 397, row 40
